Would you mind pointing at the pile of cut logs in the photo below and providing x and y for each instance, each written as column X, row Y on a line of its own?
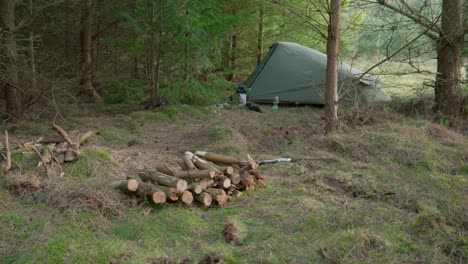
column 205, row 177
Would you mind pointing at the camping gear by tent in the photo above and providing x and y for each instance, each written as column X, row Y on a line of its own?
column 297, row 74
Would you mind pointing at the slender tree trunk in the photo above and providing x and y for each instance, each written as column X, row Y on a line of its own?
column 233, row 49
column 260, row 34
column 448, row 94
column 151, row 55
column 159, row 54
column 86, row 51
column 97, row 46
column 7, row 15
column 32, row 55
column 331, row 94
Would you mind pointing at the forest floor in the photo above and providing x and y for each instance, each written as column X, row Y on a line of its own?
column 391, row 189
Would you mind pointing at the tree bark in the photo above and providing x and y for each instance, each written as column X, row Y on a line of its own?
column 448, row 95
column 450, row 43
column 331, row 92
column 86, row 51
column 223, row 182
column 32, row 57
column 260, row 33
column 163, row 179
column 130, row 185
column 187, row 175
column 7, row 15
column 150, row 60
column 218, row 195
column 157, row 81
column 152, row 192
column 235, row 178
column 218, row 158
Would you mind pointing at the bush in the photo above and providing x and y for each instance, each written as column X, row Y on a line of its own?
column 125, row 91
column 212, row 91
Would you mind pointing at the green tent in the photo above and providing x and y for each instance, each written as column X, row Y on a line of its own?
column 297, row 74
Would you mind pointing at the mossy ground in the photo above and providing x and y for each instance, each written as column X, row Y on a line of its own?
column 391, row 190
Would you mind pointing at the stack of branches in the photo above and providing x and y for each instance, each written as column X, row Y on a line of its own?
column 50, row 151
column 204, row 177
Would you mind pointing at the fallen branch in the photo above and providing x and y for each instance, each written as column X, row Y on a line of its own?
column 44, row 165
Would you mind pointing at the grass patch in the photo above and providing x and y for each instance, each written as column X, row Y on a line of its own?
column 393, row 192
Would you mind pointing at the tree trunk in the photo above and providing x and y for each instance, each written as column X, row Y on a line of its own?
column 86, row 51
column 233, row 49
column 331, row 93
column 260, row 34
column 151, row 63
column 7, row 15
column 448, row 94
column 32, row 57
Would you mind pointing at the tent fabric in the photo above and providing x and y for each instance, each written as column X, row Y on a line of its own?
column 297, row 74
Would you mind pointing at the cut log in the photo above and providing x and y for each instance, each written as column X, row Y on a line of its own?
column 218, row 158
column 71, row 155
column 163, row 179
column 223, row 182
column 207, row 183
column 182, row 165
column 225, row 169
column 204, row 198
column 152, row 192
column 61, row 158
column 236, row 193
column 44, row 165
column 186, row 197
column 188, row 162
column 171, row 193
column 218, row 195
column 164, row 169
column 130, row 185
column 187, row 175
column 202, row 164
column 258, row 178
column 247, row 181
column 67, row 138
column 195, row 174
column 253, row 164
column 235, row 178
column 196, row 188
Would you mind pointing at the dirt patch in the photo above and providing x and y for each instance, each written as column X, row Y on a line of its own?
column 212, row 259
column 26, row 189
column 443, row 134
column 338, row 185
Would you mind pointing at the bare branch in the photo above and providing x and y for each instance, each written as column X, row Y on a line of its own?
column 431, row 28
column 315, row 27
